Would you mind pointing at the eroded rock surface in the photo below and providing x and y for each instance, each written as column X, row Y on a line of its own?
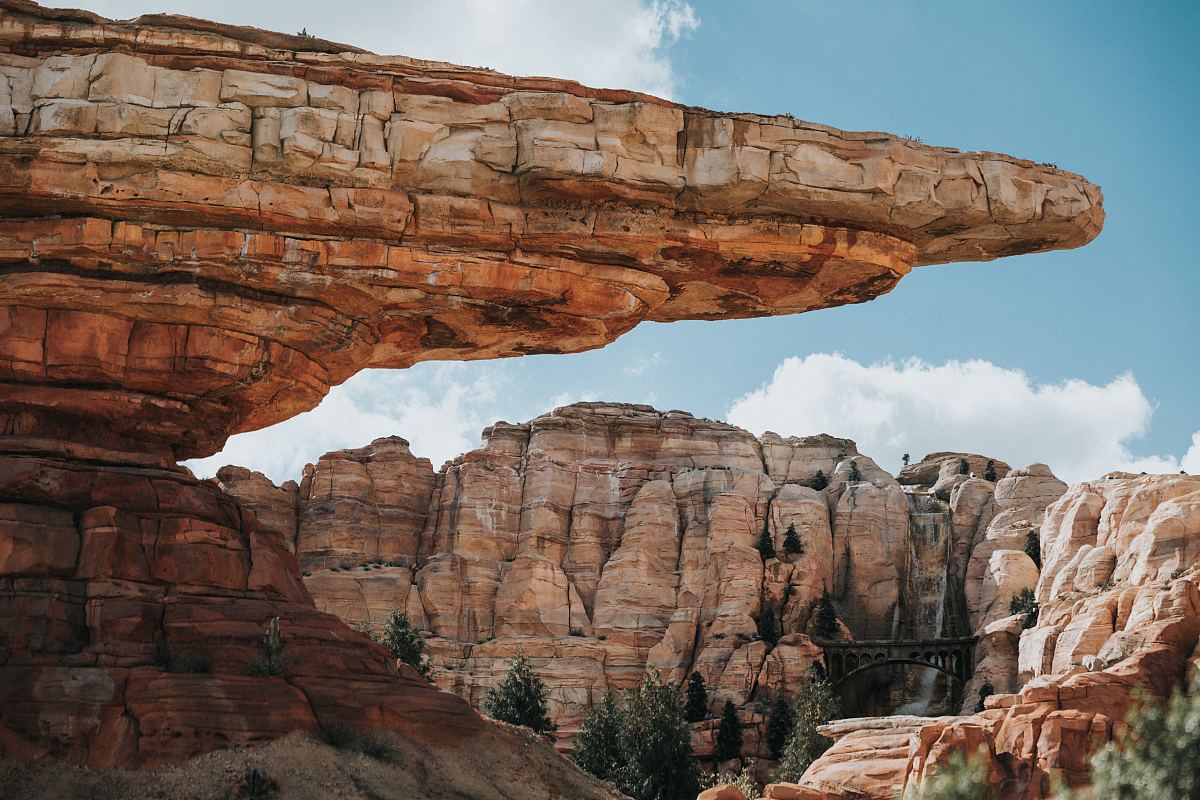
column 206, row 227
column 203, row 228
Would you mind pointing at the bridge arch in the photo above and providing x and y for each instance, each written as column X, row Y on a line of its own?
column 873, row 665
column 952, row 657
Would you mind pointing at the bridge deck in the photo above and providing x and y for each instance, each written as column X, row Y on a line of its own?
column 952, row 656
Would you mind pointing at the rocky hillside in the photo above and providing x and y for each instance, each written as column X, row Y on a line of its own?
column 602, row 539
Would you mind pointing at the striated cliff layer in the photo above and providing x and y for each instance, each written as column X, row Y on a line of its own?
column 204, row 227
column 602, row 539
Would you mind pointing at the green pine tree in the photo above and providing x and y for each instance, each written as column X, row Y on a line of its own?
column 659, row 763
column 906, row 459
column 729, row 734
column 697, row 699
column 520, row 699
column 813, row 706
column 779, row 727
column 766, row 544
column 855, row 472
column 963, row 467
column 1033, row 548
column 825, row 621
column 820, row 481
column 768, row 625
column 791, row 540
column 600, row 746
column 989, row 472
column 406, row 643
column 1025, row 602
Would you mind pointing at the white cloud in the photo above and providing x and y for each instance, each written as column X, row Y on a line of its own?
column 617, row 44
column 439, row 408
column 642, row 364
column 1080, row 429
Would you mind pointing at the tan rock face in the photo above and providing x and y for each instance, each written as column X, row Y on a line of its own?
column 203, row 230
column 1120, row 612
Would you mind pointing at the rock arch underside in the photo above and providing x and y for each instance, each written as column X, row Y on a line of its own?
column 203, row 228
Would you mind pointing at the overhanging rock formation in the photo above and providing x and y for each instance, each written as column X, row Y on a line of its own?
column 203, row 228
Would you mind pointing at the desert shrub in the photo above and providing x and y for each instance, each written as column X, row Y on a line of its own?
column 379, row 745
column 254, row 784
column 600, row 746
column 1155, row 759
column 820, row 480
column 855, row 472
column 270, row 663
column 985, row 691
column 743, row 781
column 520, row 699
column 729, row 734
column 791, row 540
column 963, row 467
column 814, row 705
column 696, row 708
column 1026, row 604
column 960, row 778
column 989, row 472
column 906, row 458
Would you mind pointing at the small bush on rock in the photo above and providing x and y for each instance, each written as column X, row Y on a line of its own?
column 271, row 663
column 406, row 643
column 254, row 784
column 960, row 778
column 820, row 481
column 520, row 699
column 1026, row 604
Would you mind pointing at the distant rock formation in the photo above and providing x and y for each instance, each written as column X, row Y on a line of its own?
column 601, row 539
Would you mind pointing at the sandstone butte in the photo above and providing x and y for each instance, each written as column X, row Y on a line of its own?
column 602, row 539
column 204, row 227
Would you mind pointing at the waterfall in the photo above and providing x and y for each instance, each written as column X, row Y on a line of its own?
column 928, row 584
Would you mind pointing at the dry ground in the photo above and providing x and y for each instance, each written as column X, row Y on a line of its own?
column 305, row 769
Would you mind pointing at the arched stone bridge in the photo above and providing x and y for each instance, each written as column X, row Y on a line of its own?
column 954, row 657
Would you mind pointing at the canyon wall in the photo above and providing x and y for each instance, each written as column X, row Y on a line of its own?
column 204, row 227
column 602, row 539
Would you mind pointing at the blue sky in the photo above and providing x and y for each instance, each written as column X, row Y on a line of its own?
column 1084, row 359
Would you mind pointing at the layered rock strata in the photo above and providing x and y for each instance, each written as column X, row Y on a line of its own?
column 206, row 227
column 1119, row 598
column 203, row 228
column 605, row 539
